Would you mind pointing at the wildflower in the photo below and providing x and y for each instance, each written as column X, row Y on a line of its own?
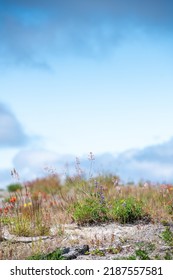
column 13, row 199
column 96, row 184
column 169, row 188
column 27, row 204
column 6, row 209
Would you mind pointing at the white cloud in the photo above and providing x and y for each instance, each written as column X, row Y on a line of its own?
column 34, row 158
column 34, row 163
column 11, row 131
column 150, row 170
column 152, row 163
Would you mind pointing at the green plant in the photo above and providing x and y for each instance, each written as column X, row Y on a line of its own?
column 114, row 250
column 167, row 236
column 168, row 256
column 127, row 210
column 30, row 226
column 164, row 223
column 142, row 254
column 132, row 257
column 89, row 211
column 169, row 208
column 148, row 246
column 56, row 255
column 97, row 252
column 6, row 220
column 14, row 187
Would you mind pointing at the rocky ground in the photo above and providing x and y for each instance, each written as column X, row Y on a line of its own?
column 106, row 241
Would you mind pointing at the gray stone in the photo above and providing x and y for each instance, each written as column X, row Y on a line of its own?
column 73, row 253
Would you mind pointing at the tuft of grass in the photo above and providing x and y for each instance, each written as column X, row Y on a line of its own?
column 26, row 227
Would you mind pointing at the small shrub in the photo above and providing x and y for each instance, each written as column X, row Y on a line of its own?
column 89, row 211
column 14, row 187
column 127, row 210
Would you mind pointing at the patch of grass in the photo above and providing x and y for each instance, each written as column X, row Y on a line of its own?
column 142, row 254
column 146, row 246
column 167, row 256
column 138, row 255
column 56, row 255
column 169, row 208
column 97, row 252
column 114, row 250
column 167, row 236
column 6, row 220
column 127, row 210
column 131, row 257
column 14, row 187
column 90, row 211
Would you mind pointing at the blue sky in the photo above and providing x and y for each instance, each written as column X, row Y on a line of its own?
column 79, row 76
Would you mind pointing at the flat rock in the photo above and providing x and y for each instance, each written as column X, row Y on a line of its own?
column 5, row 235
